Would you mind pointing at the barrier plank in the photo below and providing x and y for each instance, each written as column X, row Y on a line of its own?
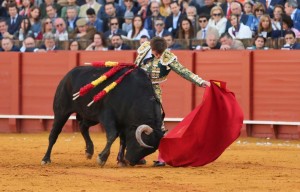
column 41, row 73
column 10, row 86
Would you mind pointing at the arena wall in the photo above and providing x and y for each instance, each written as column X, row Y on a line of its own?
column 266, row 85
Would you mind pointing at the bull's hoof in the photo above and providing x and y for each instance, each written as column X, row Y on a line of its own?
column 45, row 162
column 121, row 164
column 100, row 162
column 88, row 155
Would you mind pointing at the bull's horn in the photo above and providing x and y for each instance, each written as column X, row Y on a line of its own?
column 138, row 134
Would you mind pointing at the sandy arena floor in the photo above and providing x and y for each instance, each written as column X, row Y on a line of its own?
column 249, row 164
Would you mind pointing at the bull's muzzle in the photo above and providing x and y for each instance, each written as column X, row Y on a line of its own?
column 138, row 134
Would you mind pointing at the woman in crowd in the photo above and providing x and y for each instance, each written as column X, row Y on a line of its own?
column 25, row 10
column 74, row 46
column 138, row 29
column 238, row 30
column 259, row 43
column 258, row 11
column 165, row 9
column 186, row 30
column 25, row 30
column 98, row 44
column 35, row 21
column 248, row 8
column 47, row 27
column 288, row 24
column 265, row 28
column 217, row 19
column 276, row 21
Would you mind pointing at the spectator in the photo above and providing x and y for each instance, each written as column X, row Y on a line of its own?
column 74, row 46
column 71, row 3
column 287, row 24
column 211, row 42
column 236, row 8
column 89, row 4
column 143, row 39
column 82, row 31
column 186, row 30
column 259, row 43
column 8, row 46
column 98, row 44
column 47, row 27
column 171, row 44
column 51, row 13
column 28, row 45
column 43, row 7
column 270, row 4
column 164, row 8
column 248, row 8
column 174, row 19
column 71, row 18
column 111, row 9
column 117, row 43
column 191, row 13
column 110, row 12
column 130, row 7
column 217, row 19
column 226, row 7
column 265, row 28
column 276, row 21
column 25, row 30
column 137, row 29
column 205, row 28
column 25, row 11
column 227, row 43
column 61, row 33
column 206, row 9
column 93, row 21
column 4, row 30
column 127, row 25
column 144, row 10
column 49, row 43
column 291, row 10
column 35, row 21
column 159, row 28
column 185, row 4
column 290, row 41
column 14, row 20
column 114, row 28
column 149, row 21
column 239, row 30
column 258, row 10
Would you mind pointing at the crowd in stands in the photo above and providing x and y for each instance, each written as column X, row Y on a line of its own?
column 109, row 24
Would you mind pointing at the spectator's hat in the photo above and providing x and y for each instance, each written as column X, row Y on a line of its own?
column 128, row 15
column 81, row 22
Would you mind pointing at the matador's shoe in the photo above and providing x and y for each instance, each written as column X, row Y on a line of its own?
column 158, row 164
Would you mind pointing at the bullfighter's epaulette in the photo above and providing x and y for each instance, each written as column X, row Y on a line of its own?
column 144, row 47
column 167, row 58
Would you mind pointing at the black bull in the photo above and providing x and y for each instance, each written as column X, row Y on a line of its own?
column 131, row 111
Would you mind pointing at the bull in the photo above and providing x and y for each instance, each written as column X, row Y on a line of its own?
column 130, row 111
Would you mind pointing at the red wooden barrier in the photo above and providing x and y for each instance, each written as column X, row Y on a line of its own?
column 10, row 89
column 41, row 73
column 276, row 91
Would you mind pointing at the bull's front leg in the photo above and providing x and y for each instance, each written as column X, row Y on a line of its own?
column 120, row 159
column 111, row 136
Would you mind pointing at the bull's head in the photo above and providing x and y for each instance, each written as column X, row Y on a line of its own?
column 146, row 142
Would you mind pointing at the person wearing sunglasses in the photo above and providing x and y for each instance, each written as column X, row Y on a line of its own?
column 258, row 11
column 204, row 28
column 290, row 41
column 114, row 28
column 217, row 19
column 159, row 28
column 61, row 33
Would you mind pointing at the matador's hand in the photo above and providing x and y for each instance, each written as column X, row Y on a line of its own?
column 205, row 84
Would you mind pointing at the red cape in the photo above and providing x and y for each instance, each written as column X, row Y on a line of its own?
column 206, row 132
